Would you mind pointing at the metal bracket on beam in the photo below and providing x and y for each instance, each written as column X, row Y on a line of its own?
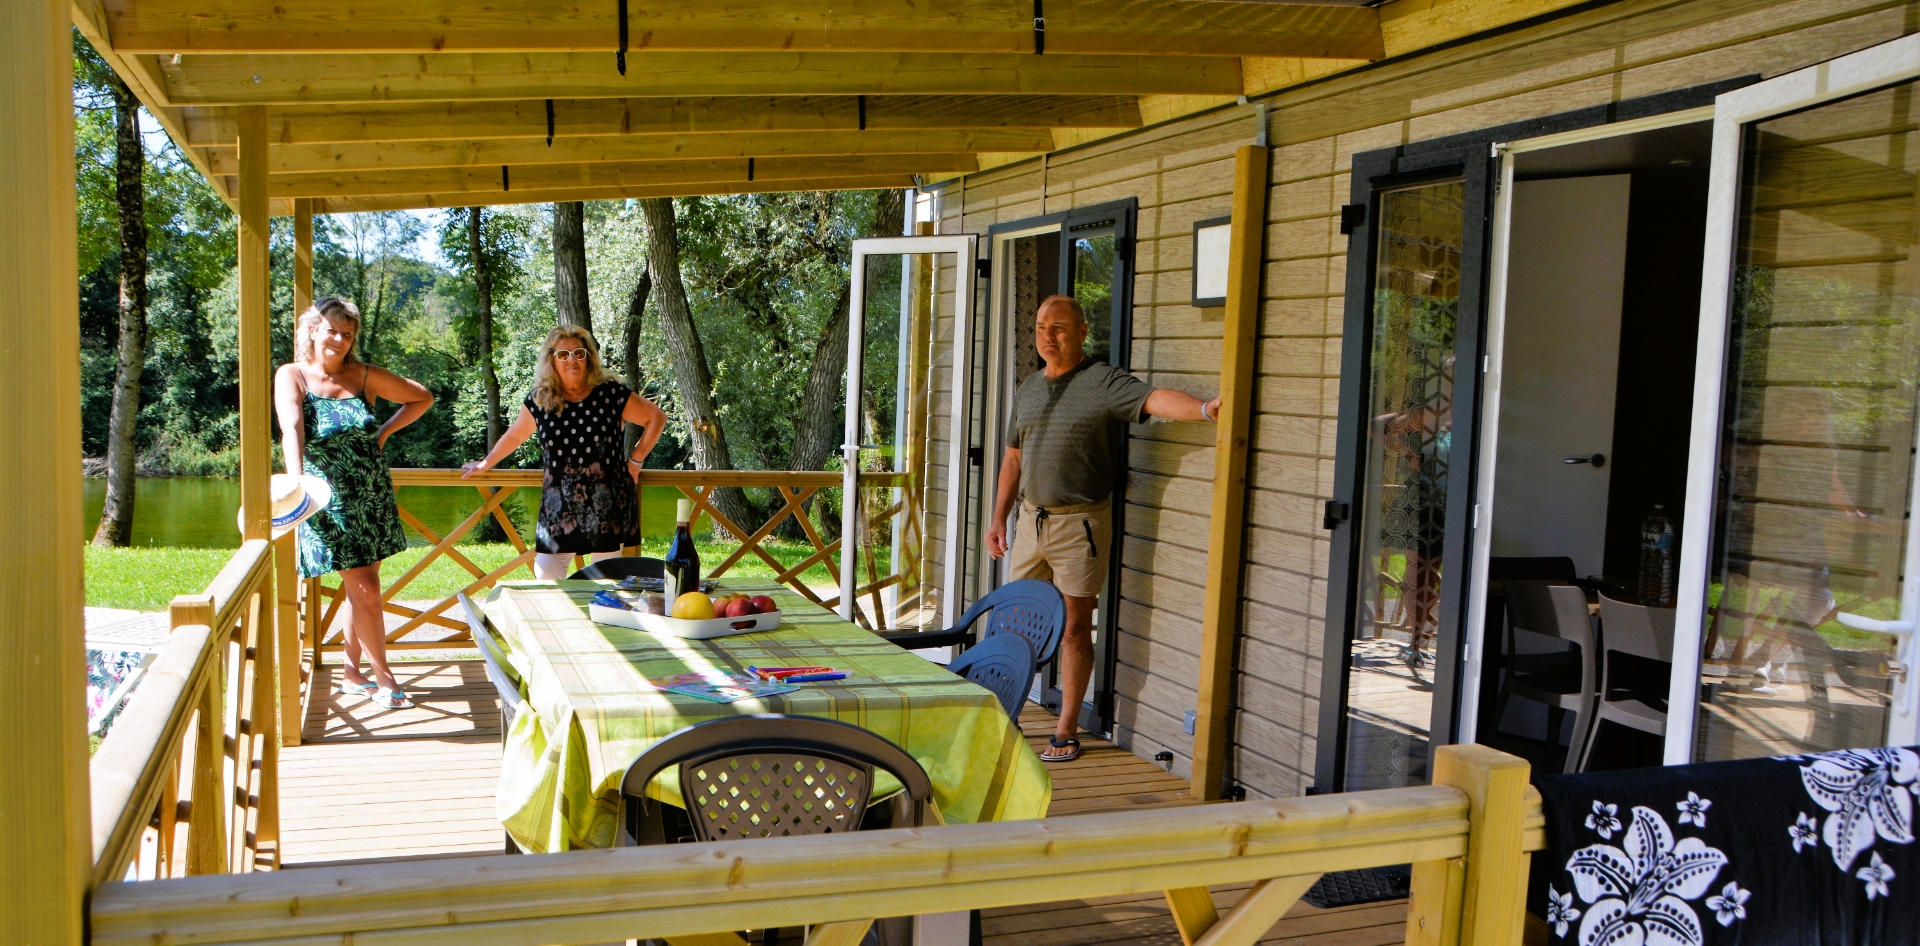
column 619, row 58
column 549, row 123
column 1039, row 28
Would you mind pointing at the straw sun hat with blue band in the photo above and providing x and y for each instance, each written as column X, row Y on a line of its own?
column 294, row 499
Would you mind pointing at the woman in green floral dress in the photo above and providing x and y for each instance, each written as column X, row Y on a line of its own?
column 324, row 399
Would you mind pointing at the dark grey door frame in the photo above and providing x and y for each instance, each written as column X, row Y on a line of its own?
column 1118, row 218
column 1469, row 156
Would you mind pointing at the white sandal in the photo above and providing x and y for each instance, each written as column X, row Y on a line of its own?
column 392, row 699
column 350, row 688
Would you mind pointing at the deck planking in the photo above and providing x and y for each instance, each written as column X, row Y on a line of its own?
column 369, row 785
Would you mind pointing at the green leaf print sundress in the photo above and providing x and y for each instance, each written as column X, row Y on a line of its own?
column 361, row 525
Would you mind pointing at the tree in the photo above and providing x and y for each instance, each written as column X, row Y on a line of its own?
column 483, row 293
column 630, row 347
column 570, row 265
column 116, row 516
column 692, row 376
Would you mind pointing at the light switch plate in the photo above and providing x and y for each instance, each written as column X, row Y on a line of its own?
column 1188, row 723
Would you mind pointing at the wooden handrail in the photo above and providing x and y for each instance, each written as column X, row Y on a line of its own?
column 218, row 667
column 690, row 891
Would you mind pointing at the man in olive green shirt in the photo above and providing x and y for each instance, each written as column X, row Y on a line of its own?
column 1061, row 467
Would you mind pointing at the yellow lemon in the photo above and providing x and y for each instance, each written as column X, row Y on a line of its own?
column 693, row 606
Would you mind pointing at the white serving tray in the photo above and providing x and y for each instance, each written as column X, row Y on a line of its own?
column 682, row 627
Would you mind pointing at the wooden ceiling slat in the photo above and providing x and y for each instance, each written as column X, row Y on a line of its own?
column 527, row 118
column 377, row 77
column 461, row 180
column 1105, row 27
column 497, row 198
column 404, row 155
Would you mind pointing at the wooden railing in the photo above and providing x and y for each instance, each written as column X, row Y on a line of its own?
column 1467, row 837
column 186, row 781
column 320, row 601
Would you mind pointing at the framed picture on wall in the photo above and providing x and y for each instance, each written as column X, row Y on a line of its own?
column 1211, row 238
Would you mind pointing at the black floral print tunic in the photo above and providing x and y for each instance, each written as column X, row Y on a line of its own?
column 588, row 503
column 361, row 525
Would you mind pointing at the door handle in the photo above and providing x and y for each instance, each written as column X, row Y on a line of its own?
column 1598, row 460
column 1877, row 626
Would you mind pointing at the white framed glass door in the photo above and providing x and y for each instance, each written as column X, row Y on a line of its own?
column 905, row 453
column 1799, row 585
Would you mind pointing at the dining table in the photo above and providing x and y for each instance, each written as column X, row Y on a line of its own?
column 595, row 698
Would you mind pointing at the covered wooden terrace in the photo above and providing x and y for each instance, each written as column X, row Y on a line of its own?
column 341, row 106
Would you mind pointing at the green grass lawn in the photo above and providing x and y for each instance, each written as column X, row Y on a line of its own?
column 145, row 579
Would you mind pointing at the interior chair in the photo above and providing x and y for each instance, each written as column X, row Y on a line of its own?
column 1555, row 569
column 1562, row 680
column 1030, row 608
column 1632, row 630
column 1004, row 665
column 626, row 566
column 499, row 673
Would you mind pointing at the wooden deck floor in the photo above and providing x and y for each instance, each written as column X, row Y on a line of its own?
column 368, row 784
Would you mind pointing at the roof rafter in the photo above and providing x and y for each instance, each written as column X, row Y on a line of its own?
column 1153, row 27
column 403, row 155
column 499, row 179
column 527, row 118
column 547, row 196
column 388, row 77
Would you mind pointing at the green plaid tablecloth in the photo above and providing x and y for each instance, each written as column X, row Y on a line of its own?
column 593, row 711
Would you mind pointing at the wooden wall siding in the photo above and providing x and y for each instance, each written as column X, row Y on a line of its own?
column 1181, row 171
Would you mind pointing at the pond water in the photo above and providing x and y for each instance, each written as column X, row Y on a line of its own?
column 199, row 511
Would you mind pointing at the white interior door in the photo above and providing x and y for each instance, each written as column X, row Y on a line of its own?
column 910, row 315
column 1797, row 597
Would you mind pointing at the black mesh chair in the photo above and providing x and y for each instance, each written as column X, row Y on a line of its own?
column 769, row 776
column 1030, row 608
column 498, row 673
column 1002, row 664
column 626, row 566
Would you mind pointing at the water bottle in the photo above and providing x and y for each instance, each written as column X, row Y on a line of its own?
column 1656, row 559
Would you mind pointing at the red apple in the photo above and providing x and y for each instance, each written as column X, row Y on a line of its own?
column 737, row 608
column 763, row 604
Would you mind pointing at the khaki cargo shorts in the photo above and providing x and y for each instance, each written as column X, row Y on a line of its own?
column 1066, row 545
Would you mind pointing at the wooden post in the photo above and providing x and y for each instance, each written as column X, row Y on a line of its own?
column 211, row 799
column 1220, row 608
column 256, row 330
column 1491, row 893
column 44, row 805
column 286, row 620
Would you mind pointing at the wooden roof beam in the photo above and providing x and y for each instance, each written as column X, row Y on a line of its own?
column 527, row 118
column 387, row 77
column 481, row 180
column 617, row 192
column 389, row 156
column 1105, row 27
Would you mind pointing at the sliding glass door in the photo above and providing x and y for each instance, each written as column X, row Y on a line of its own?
column 1803, row 604
column 1401, row 508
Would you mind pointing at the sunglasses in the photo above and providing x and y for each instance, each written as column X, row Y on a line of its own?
column 577, row 354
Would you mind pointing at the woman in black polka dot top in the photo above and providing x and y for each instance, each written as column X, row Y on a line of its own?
column 588, row 505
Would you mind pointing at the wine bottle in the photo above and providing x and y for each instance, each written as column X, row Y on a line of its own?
column 683, row 562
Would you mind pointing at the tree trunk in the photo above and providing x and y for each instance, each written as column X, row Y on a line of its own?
column 570, row 265
column 116, row 518
column 483, row 293
column 692, row 378
column 630, row 348
column 822, row 420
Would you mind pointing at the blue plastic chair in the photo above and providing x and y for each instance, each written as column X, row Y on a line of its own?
column 1004, row 665
column 1030, row 608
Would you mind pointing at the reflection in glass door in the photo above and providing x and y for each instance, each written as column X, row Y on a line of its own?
column 1818, row 442
column 1402, row 512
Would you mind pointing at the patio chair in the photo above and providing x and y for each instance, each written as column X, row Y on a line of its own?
column 1562, row 681
column 771, row 775
column 498, row 673
column 1030, row 608
column 1632, row 630
column 1002, row 664
column 626, row 566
